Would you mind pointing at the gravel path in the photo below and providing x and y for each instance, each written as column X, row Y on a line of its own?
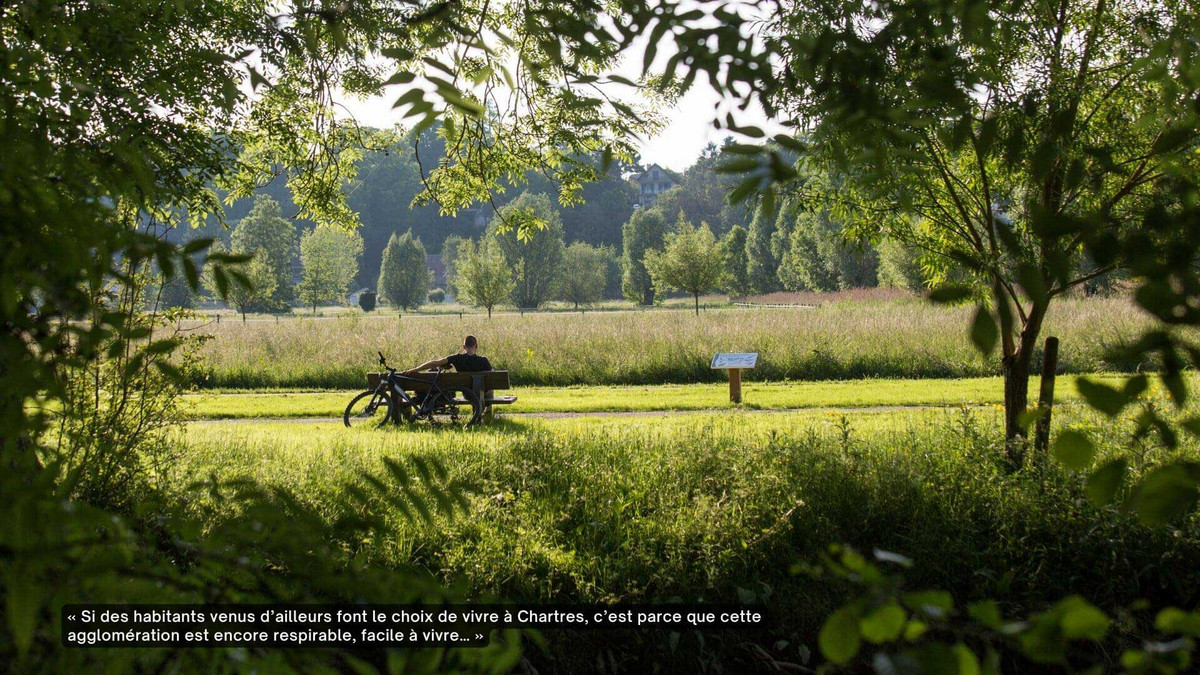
column 637, row 413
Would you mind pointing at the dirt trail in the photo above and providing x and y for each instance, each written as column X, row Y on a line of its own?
column 627, row 413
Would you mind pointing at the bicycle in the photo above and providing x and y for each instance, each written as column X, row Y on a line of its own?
column 439, row 406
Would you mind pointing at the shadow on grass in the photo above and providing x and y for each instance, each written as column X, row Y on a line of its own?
column 504, row 426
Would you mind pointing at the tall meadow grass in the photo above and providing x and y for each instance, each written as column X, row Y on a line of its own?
column 840, row 340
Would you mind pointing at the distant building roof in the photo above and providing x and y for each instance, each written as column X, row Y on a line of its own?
column 654, row 181
column 655, row 172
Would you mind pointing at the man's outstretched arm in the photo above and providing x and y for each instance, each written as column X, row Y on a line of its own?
column 436, row 363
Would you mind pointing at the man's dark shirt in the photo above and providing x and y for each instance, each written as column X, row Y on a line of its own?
column 469, row 363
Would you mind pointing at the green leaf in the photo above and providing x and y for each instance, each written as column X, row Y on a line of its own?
column 1169, row 491
column 968, row 663
column 741, row 165
column 915, row 629
column 400, row 77
column 932, row 603
column 883, row 624
column 950, row 294
column 986, row 612
column 984, row 332
column 161, row 346
column 1028, row 417
column 398, row 53
column 197, row 245
column 1082, row 621
column 1101, row 397
column 839, row 638
column 1175, row 620
column 1031, row 280
column 1074, row 450
column 1103, row 484
column 191, row 273
column 22, row 603
column 790, row 142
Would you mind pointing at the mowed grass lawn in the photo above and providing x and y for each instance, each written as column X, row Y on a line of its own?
column 756, row 395
column 719, row 507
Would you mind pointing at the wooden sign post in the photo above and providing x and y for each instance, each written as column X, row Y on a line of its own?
column 735, row 363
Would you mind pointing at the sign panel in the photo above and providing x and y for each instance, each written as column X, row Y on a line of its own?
column 735, row 360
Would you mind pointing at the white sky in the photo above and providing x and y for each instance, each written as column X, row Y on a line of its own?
column 689, row 125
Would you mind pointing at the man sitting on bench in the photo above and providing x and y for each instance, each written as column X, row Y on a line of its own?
column 466, row 360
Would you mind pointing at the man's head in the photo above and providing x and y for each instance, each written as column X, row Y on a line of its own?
column 470, row 344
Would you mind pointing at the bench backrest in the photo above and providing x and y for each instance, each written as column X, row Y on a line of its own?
column 490, row 380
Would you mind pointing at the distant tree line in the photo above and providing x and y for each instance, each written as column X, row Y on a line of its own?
column 608, row 248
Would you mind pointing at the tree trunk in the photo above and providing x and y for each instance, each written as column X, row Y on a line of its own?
column 489, row 311
column 1015, row 367
column 648, row 297
column 696, row 296
column 243, row 316
column 1016, row 400
column 1041, row 436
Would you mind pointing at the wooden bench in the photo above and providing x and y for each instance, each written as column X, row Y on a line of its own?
column 486, row 381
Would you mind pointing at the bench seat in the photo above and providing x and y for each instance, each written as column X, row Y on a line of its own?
column 488, row 380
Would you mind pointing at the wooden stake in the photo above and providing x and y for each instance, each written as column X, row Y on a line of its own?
column 735, row 385
column 1041, row 440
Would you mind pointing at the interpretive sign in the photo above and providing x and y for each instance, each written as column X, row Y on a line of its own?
column 735, row 363
column 735, row 360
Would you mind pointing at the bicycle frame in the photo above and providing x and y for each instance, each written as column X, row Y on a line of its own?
column 394, row 381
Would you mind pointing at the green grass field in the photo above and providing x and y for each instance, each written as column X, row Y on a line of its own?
column 886, row 434
column 975, row 391
column 719, row 507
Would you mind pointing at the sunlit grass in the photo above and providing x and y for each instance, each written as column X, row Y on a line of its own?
column 233, row 404
column 699, row 506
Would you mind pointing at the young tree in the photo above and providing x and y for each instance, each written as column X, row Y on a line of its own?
column 536, row 258
column 584, row 274
column 449, row 260
column 820, row 258
column 733, row 252
column 761, row 264
column 900, row 266
column 483, row 277
column 691, row 261
column 612, row 274
column 265, row 229
column 404, row 276
column 644, row 232
column 254, row 291
column 330, row 259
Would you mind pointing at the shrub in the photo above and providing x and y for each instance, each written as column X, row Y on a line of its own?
column 437, row 295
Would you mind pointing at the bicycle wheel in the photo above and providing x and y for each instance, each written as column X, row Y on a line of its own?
column 370, row 408
column 454, row 408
